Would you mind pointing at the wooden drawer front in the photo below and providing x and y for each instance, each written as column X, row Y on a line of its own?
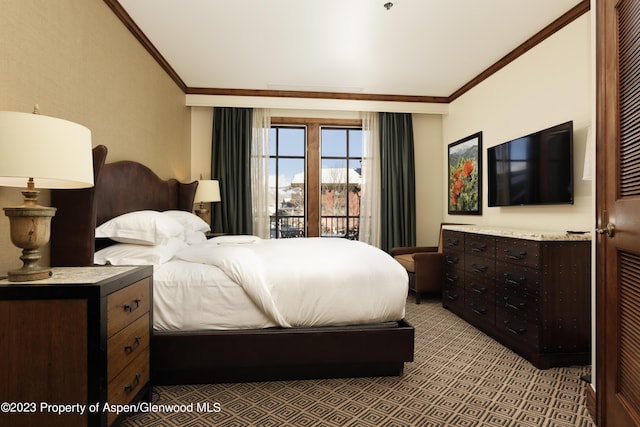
column 453, row 258
column 124, row 387
column 453, row 298
column 516, row 251
column 516, row 303
column 527, row 279
column 124, row 346
column 480, row 245
column 452, row 276
column 522, row 331
column 126, row 305
column 479, row 266
column 452, row 240
column 479, row 286
column 480, row 308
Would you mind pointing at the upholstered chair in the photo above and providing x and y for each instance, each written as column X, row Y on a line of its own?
column 424, row 267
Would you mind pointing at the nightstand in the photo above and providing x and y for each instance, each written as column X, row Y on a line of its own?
column 80, row 338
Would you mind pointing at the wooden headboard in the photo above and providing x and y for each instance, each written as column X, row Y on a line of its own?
column 120, row 187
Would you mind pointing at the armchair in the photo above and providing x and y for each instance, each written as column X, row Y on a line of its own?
column 423, row 265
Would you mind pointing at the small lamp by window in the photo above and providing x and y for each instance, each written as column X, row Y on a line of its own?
column 43, row 152
column 208, row 191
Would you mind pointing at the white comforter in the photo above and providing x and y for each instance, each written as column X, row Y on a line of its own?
column 285, row 282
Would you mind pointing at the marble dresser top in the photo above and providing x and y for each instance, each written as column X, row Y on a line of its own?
column 541, row 235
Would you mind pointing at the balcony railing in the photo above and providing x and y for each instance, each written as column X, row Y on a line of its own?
column 285, row 227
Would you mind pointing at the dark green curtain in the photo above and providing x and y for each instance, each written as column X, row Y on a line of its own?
column 397, row 173
column 231, row 165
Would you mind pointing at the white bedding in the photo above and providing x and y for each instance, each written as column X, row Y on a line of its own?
column 254, row 283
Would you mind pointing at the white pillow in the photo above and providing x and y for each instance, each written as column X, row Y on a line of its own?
column 130, row 254
column 189, row 221
column 142, row 228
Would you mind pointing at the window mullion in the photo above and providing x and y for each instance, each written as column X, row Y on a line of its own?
column 313, row 180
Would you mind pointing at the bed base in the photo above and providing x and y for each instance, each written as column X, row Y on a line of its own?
column 281, row 354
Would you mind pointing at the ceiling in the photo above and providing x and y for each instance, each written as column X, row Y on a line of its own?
column 424, row 48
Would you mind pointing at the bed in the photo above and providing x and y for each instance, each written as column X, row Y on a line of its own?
column 201, row 354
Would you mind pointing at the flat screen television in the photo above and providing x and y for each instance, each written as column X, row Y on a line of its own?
column 536, row 169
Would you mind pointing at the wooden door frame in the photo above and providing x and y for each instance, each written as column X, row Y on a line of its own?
column 600, row 242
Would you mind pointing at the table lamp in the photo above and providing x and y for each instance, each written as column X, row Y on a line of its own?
column 43, row 152
column 208, row 191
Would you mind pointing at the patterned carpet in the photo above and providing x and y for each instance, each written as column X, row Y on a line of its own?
column 459, row 377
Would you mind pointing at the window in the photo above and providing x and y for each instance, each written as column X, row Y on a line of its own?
column 286, row 181
column 341, row 158
column 314, row 185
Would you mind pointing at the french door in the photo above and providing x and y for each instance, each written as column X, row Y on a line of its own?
column 315, row 177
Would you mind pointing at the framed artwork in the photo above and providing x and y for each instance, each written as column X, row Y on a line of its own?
column 465, row 176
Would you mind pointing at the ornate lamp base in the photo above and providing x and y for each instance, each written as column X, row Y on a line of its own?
column 26, row 274
column 30, row 229
column 203, row 213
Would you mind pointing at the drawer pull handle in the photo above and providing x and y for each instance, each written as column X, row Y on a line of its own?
column 479, row 310
column 515, row 331
column 451, row 278
column 452, row 297
column 514, row 305
column 508, row 278
column 479, row 268
column 136, row 343
column 132, row 307
column 452, row 242
column 478, row 247
column 478, row 289
column 514, row 254
column 451, row 259
column 130, row 387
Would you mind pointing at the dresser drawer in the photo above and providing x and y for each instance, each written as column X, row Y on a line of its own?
column 516, row 251
column 452, row 276
column 517, row 303
column 522, row 331
column 479, row 244
column 124, row 387
column 126, row 305
column 453, row 258
column 124, row 346
column 479, row 265
column 481, row 309
column 526, row 279
column 453, row 298
column 480, row 286
column 452, row 240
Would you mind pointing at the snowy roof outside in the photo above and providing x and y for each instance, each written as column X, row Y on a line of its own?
column 331, row 176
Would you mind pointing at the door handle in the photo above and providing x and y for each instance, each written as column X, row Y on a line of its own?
column 609, row 230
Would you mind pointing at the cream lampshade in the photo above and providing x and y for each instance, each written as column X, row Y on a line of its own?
column 43, row 152
column 208, row 191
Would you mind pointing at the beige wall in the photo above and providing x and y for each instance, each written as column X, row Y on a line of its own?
column 78, row 62
column 427, row 136
column 549, row 85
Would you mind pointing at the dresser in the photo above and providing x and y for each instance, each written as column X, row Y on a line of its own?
column 74, row 342
column 531, row 291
